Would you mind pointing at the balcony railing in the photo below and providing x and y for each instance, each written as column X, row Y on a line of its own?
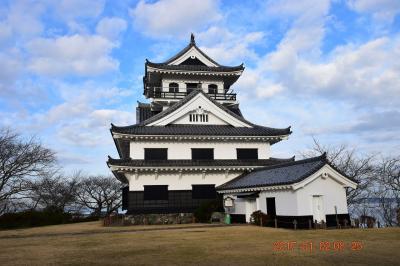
column 158, row 93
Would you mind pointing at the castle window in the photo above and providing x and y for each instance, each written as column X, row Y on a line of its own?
column 202, row 154
column 212, row 89
column 155, row 192
column 198, row 118
column 203, row 192
column 173, row 87
column 191, row 86
column 247, row 154
column 155, row 154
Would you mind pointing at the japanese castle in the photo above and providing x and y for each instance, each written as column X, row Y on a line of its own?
column 191, row 144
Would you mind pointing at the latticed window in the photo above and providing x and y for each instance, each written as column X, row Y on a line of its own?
column 173, row 87
column 198, row 118
column 212, row 89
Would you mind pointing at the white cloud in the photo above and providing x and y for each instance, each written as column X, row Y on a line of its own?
column 11, row 66
column 5, row 33
column 72, row 55
column 363, row 74
column 381, row 10
column 84, row 114
column 359, row 73
column 174, row 17
column 111, row 28
column 71, row 9
column 24, row 18
column 228, row 47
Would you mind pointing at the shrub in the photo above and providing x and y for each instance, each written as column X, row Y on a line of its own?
column 257, row 216
column 204, row 211
column 33, row 218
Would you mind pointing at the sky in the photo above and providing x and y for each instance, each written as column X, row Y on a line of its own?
column 329, row 69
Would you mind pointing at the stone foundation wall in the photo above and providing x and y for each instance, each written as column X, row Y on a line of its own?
column 166, row 218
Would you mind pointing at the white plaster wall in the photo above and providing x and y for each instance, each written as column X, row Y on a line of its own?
column 175, row 182
column 250, row 208
column 182, row 84
column 182, row 150
column 285, row 202
column 240, row 206
column 243, row 206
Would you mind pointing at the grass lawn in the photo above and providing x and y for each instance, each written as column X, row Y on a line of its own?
column 90, row 243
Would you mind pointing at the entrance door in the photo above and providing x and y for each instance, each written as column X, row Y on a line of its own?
column 318, row 208
column 271, row 209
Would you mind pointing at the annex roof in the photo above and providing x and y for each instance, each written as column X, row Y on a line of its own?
column 279, row 174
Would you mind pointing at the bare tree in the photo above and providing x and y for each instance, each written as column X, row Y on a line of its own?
column 100, row 193
column 20, row 160
column 358, row 167
column 388, row 189
column 54, row 191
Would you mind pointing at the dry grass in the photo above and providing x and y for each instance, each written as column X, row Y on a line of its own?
column 89, row 243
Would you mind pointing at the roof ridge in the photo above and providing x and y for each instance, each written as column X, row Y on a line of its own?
column 191, row 44
column 322, row 157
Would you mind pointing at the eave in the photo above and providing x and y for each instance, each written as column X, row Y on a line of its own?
column 270, row 139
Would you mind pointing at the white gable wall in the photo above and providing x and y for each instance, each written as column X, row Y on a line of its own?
column 193, row 52
column 333, row 194
column 193, row 104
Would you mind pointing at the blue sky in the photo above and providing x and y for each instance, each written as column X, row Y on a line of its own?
column 330, row 69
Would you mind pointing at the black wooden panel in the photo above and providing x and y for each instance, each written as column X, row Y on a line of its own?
column 202, row 154
column 331, row 219
column 179, row 201
column 155, row 193
column 287, row 221
column 204, row 192
column 155, row 154
column 125, row 200
column 238, row 218
column 247, row 154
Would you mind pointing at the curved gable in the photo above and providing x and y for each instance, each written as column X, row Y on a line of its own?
column 216, row 115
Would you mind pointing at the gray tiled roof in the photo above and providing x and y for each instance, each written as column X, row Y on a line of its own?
column 191, row 44
column 280, row 174
column 211, row 130
column 181, row 163
column 195, row 67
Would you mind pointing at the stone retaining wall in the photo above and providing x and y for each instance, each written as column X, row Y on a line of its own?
column 166, row 218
